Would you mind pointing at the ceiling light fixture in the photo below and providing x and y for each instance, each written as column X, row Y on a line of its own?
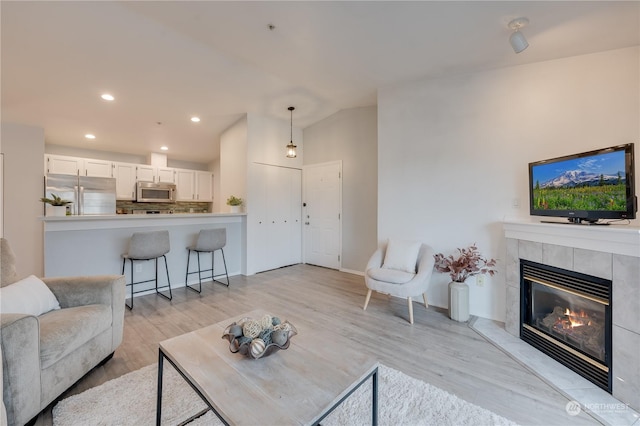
column 107, row 97
column 90, row 136
column 517, row 40
column 291, row 148
column 195, row 119
column 164, row 148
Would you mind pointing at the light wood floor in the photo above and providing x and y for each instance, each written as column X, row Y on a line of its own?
column 435, row 349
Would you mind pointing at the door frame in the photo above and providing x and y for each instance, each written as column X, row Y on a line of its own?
column 304, row 208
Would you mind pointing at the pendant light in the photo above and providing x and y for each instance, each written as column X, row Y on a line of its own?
column 291, row 148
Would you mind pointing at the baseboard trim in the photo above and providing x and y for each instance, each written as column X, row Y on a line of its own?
column 351, row 271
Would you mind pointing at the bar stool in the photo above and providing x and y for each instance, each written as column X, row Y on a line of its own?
column 147, row 246
column 209, row 240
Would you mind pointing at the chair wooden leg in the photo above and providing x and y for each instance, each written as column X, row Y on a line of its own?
column 410, row 310
column 424, row 296
column 366, row 301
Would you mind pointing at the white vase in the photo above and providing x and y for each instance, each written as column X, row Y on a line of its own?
column 235, row 209
column 458, row 301
column 56, row 210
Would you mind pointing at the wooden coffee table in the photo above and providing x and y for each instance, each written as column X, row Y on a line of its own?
column 299, row 385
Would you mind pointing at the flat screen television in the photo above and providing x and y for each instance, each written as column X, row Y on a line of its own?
column 585, row 187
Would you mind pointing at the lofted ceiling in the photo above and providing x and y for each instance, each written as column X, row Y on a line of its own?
column 167, row 61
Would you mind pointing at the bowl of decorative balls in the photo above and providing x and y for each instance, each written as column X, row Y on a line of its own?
column 259, row 338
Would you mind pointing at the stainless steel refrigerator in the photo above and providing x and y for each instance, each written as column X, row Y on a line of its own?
column 89, row 195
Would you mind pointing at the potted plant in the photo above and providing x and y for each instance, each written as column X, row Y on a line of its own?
column 468, row 262
column 58, row 206
column 235, row 203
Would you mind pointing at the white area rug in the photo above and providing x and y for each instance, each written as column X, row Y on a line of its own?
column 131, row 400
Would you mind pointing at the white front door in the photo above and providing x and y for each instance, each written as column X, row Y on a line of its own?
column 322, row 211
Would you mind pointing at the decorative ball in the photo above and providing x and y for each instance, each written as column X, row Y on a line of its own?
column 257, row 347
column 266, row 336
column 275, row 321
column 251, row 328
column 265, row 321
column 243, row 339
column 279, row 337
column 235, row 330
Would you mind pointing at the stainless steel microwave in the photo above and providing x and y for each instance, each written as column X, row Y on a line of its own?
column 155, row 192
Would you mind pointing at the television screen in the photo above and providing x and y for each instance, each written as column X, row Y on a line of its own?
column 588, row 187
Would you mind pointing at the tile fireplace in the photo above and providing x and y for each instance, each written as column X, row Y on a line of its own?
column 606, row 257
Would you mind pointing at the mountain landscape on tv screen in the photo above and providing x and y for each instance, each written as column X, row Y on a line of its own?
column 579, row 178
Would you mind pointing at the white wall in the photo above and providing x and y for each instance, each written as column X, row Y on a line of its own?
column 233, row 163
column 351, row 135
column 23, row 148
column 453, row 152
column 268, row 138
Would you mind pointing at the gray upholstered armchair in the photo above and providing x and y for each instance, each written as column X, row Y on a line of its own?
column 44, row 355
column 406, row 283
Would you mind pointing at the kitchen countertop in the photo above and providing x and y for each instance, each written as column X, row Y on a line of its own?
column 135, row 216
column 89, row 222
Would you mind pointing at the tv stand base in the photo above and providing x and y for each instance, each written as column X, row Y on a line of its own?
column 577, row 222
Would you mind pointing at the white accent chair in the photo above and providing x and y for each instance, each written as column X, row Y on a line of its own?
column 400, row 283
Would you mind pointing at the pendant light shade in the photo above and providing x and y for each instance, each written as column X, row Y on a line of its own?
column 291, row 148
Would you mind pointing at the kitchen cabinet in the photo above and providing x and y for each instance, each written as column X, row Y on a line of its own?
column 63, row 165
column 194, row 185
column 97, row 168
column 204, row 186
column 145, row 173
column 165, row 174
column 185, row 185
column 125, row 174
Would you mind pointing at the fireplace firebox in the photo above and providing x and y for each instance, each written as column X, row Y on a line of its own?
column 567, row 315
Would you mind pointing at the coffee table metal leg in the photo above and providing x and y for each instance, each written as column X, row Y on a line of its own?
column 159, row 401
column 374, row 402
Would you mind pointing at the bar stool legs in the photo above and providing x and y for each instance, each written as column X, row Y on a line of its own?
column 200, row 270
column 169, row 297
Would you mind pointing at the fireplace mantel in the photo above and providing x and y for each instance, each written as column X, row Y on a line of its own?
column 615, row 239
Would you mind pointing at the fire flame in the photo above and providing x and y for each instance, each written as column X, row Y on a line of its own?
column 575, row 319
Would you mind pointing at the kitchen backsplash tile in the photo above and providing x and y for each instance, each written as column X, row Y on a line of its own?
column 131, row 207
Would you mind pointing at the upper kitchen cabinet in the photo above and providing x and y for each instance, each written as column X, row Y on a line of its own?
column 97, row 168
column 145, row 173
column 166, row 174
column 204, row 186
column 125, row 174
column 194, row 185
column 185, row 185
column 64, row 165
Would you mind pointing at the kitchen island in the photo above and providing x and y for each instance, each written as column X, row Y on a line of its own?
column 93, row 245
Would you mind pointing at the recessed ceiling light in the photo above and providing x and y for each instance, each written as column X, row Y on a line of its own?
column 90, row 136
column 107, row 97
column 195, row 119
column 164, row 148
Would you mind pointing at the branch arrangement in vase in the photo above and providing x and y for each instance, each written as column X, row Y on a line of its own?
column 467, row 263
column 55, row 200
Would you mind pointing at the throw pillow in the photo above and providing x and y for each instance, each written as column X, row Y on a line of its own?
column 28, row 296
column 402, row 255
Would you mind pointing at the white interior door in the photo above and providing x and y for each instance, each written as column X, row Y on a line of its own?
column 322, row 212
